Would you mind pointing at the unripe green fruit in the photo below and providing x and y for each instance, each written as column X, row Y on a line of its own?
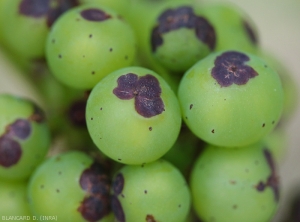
column 87, row 43
column 231, row 99
column 24, row 137
column 234, row 185
column 133, row 116
column 151, row 192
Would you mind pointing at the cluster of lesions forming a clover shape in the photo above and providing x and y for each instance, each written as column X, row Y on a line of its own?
column 230, row 68
column 145, row 91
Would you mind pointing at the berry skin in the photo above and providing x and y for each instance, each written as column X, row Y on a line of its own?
column 150, row 192
column 87, row 43
column 24, row 137
column 133, row 116
column 231, row 99
column 232, row 185
column 74, row 186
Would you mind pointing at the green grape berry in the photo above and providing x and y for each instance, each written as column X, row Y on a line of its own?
column 24, row 137
column 13, row 201
column 87, row 43
column 133, row 116
column 71, row 186
column 180, row 38
column 234, row 30
column 231, row 98
column 25, row 24
column 233, row 185
column 151, row 192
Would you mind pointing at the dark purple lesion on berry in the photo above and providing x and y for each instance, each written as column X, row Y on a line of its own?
column 118, row 184
column 145, row 90
column 230, row 68
column 10, row 151
column 96, row 204
column 250, row 32
column 117, row 209
column 34, row 8
column 273, row 180
column 21, row 129
column 93, row 208
column 150, row 218
column 182, row 17
column 76, row 113
column 94, row 15
column 46, row 8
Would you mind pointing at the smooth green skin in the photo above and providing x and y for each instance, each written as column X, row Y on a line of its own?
column 123, row 134
column 34, row 148
column 227, row 20
column 180, row 50
column 290, row 87
column 82, row 55
column 167, row 198
column 184, row 152
column 13, row 201
column 277, row 142
column 23, row 35
column 239, row 114
column 223, row 185
column 61, row 172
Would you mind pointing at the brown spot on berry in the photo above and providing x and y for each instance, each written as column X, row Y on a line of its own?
column 90, row 36
column 59, row 56
column 182, row 17
column 10, row 151
column 150, row 218
column 21, row 129
column 145, row 191
column 150, row 128
column 117, row 209
column 118, row 184
column 145, row 90
column 191, row 106
column 94, row 15
column 263, row 125
column 230, row 68
column 233, row 182
column 38, row 114
column 213, row 131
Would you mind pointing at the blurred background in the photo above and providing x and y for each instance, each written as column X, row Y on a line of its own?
column 278, row 25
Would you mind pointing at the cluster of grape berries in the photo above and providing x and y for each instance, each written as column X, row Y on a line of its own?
column 164, row 111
